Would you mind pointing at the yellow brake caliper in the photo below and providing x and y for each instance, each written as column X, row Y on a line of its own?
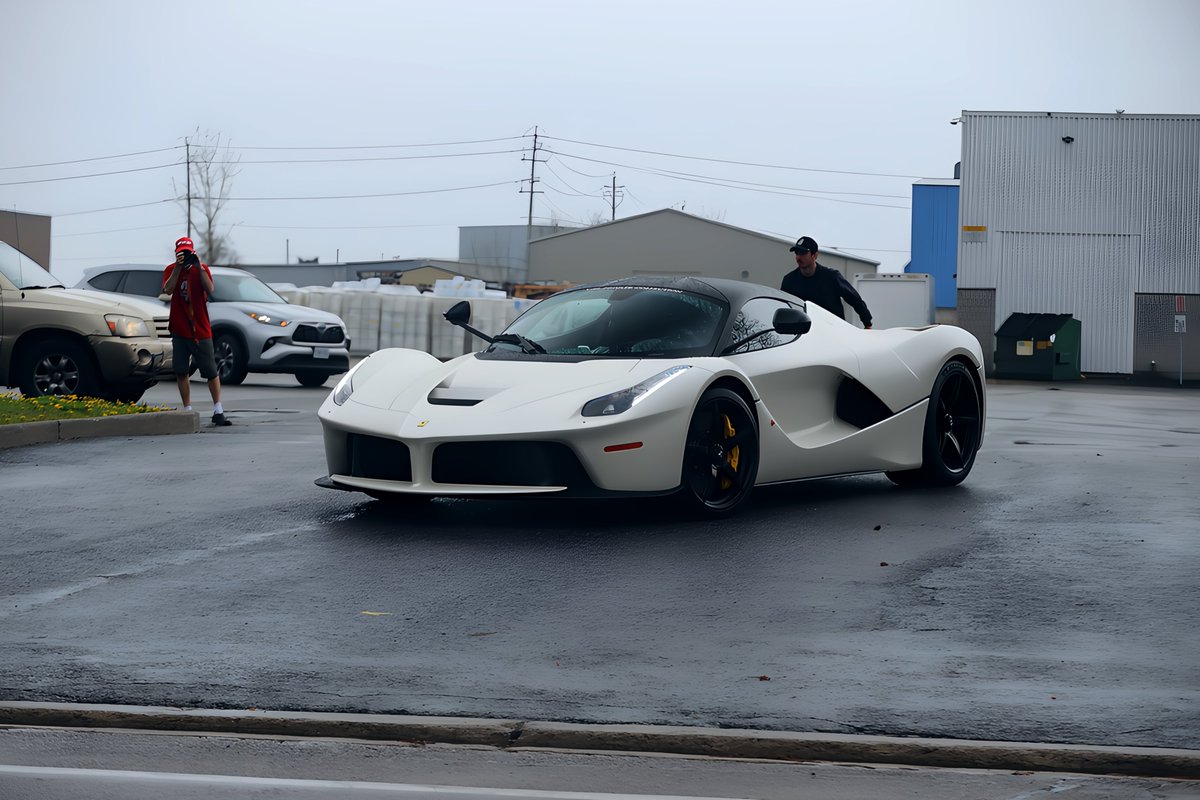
column 731, row 457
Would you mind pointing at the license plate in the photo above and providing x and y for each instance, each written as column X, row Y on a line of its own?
column 320, row 352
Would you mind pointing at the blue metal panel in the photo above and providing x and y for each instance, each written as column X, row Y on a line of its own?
column 935, row 238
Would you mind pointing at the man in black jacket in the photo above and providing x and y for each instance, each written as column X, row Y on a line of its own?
column 821, row 285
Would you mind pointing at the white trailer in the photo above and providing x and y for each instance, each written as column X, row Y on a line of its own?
column 897, row 300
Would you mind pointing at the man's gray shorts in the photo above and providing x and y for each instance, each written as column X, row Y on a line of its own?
column 183, row 350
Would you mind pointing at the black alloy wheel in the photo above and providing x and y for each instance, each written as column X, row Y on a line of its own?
column 58, row 367
column 953, row 425
column 231, row 359
column 720, row 459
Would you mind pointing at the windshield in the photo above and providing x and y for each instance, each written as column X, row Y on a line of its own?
column 641, row 322
column 23, row 270
column 242, row 289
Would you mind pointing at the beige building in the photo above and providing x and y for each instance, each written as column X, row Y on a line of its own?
column 670, row 242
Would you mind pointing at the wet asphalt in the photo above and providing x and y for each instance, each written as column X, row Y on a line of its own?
column 1051, row 598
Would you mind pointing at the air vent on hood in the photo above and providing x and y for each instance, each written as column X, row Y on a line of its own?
column 449, row 397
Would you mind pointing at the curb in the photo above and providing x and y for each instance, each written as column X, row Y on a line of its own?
column 681, row 740
column 152, row 423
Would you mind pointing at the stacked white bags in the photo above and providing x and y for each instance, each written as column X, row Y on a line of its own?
column 379, row 316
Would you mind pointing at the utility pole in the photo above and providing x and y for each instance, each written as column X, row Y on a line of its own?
column 187, row 149
column 613, row 195
column 533, row 179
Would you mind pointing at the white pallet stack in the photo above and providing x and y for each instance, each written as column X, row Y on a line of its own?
column 446, row 341
column 379, row 317
column 404, row 321
column 361, row 313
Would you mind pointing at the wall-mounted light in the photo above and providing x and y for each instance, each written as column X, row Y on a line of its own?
column 1068, row 139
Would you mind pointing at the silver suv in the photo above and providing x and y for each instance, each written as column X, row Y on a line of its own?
column 55, row 340
column 254, row 329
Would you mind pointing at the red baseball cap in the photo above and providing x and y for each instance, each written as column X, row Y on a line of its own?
column 184, row 243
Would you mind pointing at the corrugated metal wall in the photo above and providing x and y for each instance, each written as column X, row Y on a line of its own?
column 1158, row 347
column 1076, row 213
column 1090, row 276
column 670, row 242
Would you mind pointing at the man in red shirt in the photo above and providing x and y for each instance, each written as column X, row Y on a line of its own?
column 189, row 283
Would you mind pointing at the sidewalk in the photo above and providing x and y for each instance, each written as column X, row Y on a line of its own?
column 716, row 742
column 155, row 423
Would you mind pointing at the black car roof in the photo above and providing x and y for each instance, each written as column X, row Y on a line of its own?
column 735, row 293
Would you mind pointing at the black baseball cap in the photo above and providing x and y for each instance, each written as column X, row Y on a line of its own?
column 805, row 244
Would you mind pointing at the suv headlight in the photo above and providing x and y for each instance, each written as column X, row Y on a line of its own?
column 622, row 401
column 126, row 327
column 267, row 319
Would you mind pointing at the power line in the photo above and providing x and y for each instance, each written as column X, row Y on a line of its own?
column 115, row 230
column 675, row 173
column 372, row 158
column 738, row 163
column 725, row 184
column 568, row 184
column 348, row 227
column 384, row 194
column 115, row 208
column 92, row 175
column 97, row 158
column 389, row 146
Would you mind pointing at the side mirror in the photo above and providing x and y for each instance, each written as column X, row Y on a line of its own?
column 791, row 322
column 459, row 313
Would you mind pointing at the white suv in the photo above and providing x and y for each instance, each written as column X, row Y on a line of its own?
column 254, row 329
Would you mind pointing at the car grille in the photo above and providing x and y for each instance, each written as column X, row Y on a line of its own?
column 162, row 327
column 508, row 464
column 332, row 334
column 383, row 459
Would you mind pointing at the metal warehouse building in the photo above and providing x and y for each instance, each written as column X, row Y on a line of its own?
column 671, row 242
column 1093, row 215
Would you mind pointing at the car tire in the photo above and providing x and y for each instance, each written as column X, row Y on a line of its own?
column 58, row 366
column 231, row 359
column 721, row 453
column 953, row 424
column 310, row 378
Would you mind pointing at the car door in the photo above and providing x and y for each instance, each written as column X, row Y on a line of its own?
column 796, row 377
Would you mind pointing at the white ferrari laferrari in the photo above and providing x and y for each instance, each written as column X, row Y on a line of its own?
column 659, row 386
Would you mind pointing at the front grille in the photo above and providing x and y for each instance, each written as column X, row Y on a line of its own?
column 314, row 334
column 384, row 459
column 162, row 327
column 508, row 464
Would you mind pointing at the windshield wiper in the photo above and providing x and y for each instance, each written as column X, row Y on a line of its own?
column 527, row 345
column 51, row 286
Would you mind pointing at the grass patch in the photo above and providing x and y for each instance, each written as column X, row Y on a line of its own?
column 15, row 409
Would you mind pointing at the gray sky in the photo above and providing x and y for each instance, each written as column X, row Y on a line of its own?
column 843, row 104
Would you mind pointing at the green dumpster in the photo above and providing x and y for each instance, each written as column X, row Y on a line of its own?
column 1038, row 347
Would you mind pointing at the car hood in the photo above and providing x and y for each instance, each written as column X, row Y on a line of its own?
column 500, row 384
column 289, row 311
column 99, row 302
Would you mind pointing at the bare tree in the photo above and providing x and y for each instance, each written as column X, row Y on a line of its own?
column 212, row 166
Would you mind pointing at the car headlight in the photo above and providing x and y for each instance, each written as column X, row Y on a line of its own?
column 267, row 319
column 622, row 401
column 345, row 387
column 126, row 327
